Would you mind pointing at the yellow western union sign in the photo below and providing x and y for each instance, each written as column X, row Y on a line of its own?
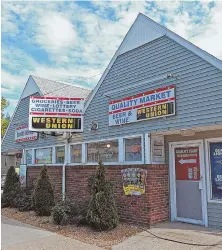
column 155, row 111
column 49, row 123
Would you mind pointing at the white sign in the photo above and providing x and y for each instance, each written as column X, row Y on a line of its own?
column 22, row 175
column 22, row 134
column 56, row 114
column 157, row 149
column 148, row 105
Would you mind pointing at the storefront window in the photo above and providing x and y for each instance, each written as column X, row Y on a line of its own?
column 216, row 170
column 28, row 156
column 106, row 151
column 60, row 154
column 133, row 149
column 43, row 156
column 76, row 153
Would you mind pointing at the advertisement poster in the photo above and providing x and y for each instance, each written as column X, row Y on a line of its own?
column 22, row 175
column 22, row 134
column 56, row 114
column 216, row 169
column 187, row 163
column 148, row 105
column 157, row 149
column 134, row 181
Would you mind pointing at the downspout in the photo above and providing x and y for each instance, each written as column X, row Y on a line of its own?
column 64, row 170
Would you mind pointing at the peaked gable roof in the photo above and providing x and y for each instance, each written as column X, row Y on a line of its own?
column 145, row 30
column 54, row 88
column 47, row 87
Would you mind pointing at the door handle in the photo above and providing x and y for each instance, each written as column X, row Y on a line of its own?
column 201, row 183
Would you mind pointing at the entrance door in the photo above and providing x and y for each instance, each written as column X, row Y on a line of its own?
column 188, row 202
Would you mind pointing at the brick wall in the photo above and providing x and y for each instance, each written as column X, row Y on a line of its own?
column 147, row 209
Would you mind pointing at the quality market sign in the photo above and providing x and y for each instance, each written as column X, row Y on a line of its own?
column 56, row 114
column 148, row 105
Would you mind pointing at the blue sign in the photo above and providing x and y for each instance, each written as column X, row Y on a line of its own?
column 216, row 169
column 22, row 175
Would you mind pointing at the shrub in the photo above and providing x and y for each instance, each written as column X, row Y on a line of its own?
column 59, row 214
column 11, row 188
column 43, row 197
column 24, row 200
column 102, row 212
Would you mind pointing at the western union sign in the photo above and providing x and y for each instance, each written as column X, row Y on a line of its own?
column 56, row 123
column 155, row 111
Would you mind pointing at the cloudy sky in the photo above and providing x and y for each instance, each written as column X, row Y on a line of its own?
column 74, row 41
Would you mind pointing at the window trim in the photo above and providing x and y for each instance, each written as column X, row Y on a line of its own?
column 102, row 140
column 53, row 156
column 142, row 149
column 208, row 169
column 64, row 154
column 69, row 154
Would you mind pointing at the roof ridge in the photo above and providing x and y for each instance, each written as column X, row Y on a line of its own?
column 61, row 82
column 164, row 27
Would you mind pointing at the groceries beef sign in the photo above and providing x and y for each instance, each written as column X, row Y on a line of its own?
column 56, row 114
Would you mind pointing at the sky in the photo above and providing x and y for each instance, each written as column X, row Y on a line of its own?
column 74, row 41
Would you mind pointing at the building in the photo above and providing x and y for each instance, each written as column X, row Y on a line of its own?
column 157, row 107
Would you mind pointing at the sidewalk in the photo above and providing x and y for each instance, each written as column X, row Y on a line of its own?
column 20, row 236
column 174, row 231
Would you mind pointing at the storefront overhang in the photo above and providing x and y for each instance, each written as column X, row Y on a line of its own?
column 188, row 131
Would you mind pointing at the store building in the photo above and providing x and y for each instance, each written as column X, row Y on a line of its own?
column 157, row 107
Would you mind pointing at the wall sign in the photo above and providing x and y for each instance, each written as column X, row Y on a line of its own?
column 187, row 163
column 148, row 105
column 134, row 181
column 56, row 114
column 216, row 169
column 157, row 149
column 22, row 134
column 22, row 175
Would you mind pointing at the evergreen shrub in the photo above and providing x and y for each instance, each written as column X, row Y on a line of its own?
column 43, row 196
column 11, row 189
column 102, row 212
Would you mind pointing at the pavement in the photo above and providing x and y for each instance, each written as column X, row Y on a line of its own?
column 20, row 236
column 180, row 232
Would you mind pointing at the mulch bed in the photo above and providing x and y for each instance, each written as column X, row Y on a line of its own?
column 82, row 233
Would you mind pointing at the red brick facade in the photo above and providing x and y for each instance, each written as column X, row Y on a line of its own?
column 147, row 209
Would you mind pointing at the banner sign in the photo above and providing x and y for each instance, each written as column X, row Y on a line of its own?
column 134, row 181
column 216, row 169
column 22, row 175
column 148, row 105
column 56, row 114
column 187, row 162
column 22, row 134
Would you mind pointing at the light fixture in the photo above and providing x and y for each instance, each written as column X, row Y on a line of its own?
column 187, row 132
column 108, row 145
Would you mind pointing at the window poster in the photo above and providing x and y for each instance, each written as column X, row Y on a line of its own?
column 216, row 169
column 134, row 181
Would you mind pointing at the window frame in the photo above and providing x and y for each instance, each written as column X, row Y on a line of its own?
column 56, row 155
column 82, row 156
column 53, row 156
column 208, row 169
column 102, row 140
column 142, row 149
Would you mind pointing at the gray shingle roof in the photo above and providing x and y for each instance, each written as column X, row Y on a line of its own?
column 54, row 88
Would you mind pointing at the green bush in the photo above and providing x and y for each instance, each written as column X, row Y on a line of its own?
column 11, row 188
column 102, row 212
column 59, row 214
column 24, row 200
column 43, row 197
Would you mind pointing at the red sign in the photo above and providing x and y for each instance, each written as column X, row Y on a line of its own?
column 187, row 163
